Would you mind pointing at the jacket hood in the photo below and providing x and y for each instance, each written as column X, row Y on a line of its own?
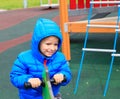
column 44, row 28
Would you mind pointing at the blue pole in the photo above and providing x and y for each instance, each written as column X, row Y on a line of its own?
column 83, row 52
column 112, row 60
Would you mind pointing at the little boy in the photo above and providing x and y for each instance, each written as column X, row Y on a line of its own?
column 29, row 65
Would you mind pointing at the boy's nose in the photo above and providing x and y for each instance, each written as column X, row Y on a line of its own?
column 52, row 47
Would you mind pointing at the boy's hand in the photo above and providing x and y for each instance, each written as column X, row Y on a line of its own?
column 35, row 82
column 58, row 78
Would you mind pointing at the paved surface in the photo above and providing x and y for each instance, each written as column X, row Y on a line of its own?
column 19, row 24
column 13, row 17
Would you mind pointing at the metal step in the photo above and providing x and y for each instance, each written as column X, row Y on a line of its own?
column 104, row 2
column 102, row 26
column 118, row 30
column 116, row 55
column 98, row 50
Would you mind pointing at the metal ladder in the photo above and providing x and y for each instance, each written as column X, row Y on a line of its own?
column 84, row 49
column 113, row 55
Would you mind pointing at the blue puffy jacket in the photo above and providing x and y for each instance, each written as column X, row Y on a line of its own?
column 29, row 64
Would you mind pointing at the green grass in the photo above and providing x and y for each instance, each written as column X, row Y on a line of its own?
column 18, row 4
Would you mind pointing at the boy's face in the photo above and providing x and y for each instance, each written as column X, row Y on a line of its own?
column 49, row 46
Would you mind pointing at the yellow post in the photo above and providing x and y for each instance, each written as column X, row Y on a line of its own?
column 63, row 10
column 50, row 2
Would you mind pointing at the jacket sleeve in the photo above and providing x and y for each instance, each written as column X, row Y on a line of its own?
column 18, row 74
column 64, row 69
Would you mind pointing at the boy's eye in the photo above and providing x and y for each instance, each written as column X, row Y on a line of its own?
column 51, row 44
column 47, row 43
column 56, row 44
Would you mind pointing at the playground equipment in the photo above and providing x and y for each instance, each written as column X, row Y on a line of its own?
column 80, row 26
column 46, row 84
column 93, row 26
column 25, row 4
column 89, row 25
column 50, row 4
